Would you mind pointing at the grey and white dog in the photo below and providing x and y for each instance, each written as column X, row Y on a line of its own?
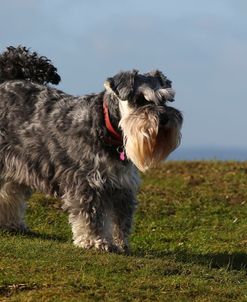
column 85, row 150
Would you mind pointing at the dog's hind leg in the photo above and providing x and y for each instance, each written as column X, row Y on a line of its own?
column 13, row 197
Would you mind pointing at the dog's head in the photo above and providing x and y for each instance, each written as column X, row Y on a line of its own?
column 151, row 128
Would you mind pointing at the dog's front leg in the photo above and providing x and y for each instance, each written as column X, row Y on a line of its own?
column 89, row 221
column 124, row 207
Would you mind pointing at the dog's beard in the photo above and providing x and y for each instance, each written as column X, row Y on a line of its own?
column 146, row 143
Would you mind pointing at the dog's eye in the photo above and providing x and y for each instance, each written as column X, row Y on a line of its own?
column 141, row 101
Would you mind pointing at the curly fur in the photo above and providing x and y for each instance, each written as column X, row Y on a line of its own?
column 56, row 143
column 19, row 63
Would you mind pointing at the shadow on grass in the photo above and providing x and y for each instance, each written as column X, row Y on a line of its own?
column 234, row 261
column 32, row 234
column 47, row 236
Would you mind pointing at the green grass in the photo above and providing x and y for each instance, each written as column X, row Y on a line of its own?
column 189, row 243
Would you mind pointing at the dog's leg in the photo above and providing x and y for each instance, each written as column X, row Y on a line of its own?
column 91, row 225
column 12, row 205
column 123, row 216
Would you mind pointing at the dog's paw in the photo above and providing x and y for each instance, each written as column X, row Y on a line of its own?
column 112, row 248
column 122, row 246
column 123, row 249
column 101, row 245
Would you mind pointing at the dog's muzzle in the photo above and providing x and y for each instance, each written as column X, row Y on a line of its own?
column 169, row 114
column 151, row 133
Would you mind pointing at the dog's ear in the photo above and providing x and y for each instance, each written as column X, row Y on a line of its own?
column 164, row 81
column 109, row 85
column 122, row 84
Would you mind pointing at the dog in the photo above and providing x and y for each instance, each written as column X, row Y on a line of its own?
column 85, row 150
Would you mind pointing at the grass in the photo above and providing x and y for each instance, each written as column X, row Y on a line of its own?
column 189, row 243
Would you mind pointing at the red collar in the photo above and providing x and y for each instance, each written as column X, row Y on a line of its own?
column 116, row 138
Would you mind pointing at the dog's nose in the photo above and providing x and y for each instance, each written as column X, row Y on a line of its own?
column 163, row 119
column 163, row 116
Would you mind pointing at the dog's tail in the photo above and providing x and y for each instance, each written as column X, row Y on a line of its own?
column 18, row 63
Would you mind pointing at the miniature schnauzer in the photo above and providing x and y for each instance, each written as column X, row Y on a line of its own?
column 85, row 150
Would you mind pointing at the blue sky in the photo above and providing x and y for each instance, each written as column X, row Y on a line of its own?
column 200, row 45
